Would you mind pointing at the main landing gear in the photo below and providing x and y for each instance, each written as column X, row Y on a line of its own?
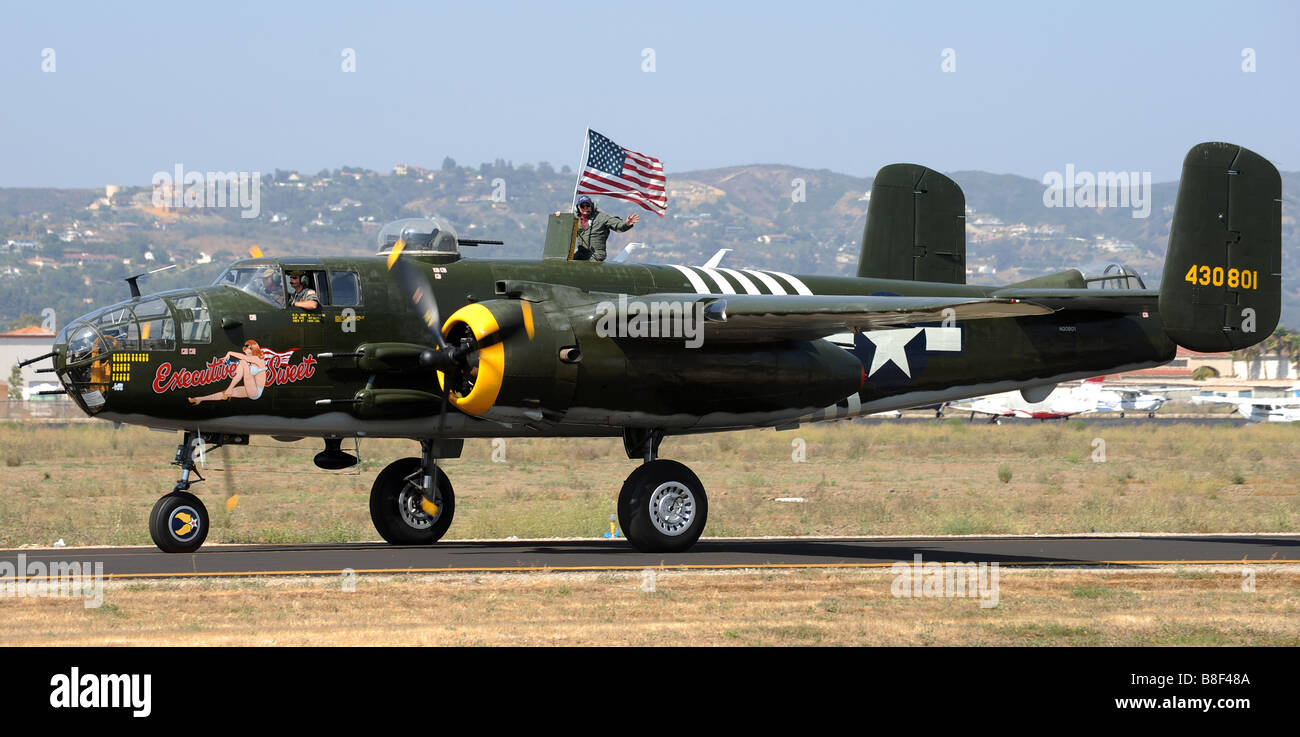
column 412, row 502
column 662, row 507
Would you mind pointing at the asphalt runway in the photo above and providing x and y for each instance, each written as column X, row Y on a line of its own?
column 1092, row 420
column 615, row 555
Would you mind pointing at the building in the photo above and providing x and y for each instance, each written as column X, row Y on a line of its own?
column 1268, row 375
column 20, row 345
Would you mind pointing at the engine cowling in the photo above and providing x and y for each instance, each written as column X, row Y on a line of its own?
column 514, row 373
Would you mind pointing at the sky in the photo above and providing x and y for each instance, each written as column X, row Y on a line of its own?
column 1007, row 87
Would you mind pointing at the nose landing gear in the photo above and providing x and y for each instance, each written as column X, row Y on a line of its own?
column 179, row 522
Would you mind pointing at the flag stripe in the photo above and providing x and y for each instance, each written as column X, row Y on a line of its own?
column 643, row 159
column 652, row 206
column 629, row 163
column 614, row 171
column 592, row 180
column 609, row 179
column 600, row 188
column 648, row 176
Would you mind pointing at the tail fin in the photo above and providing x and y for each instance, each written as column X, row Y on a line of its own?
column 1222, row 283
column 916, row 227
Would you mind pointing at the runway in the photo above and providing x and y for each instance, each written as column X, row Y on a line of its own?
column 1134, row 551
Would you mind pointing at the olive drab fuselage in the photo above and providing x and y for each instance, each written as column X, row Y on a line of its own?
column 554, row 371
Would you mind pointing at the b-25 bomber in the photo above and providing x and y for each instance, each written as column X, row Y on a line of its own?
column 423, row 342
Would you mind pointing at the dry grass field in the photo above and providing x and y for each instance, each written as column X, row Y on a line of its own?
column 799, row 607
column 91, row 485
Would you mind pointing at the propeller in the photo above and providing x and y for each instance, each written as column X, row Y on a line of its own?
column 445, row 358
column 232, row 496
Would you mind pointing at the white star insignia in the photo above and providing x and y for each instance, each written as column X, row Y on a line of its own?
column 889, row 348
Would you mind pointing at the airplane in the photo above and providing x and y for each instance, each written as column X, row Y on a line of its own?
column 551, row 347
column 1125, row 399
column 1263, row 409
column 1058, row 404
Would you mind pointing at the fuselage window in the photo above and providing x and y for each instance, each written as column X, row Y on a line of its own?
column 344, row 289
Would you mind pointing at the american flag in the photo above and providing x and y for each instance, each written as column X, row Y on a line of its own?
column 614, row 171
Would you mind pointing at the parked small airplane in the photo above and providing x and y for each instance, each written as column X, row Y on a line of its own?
column 1125, row 399
column 1262, row 409
column 1058, row 404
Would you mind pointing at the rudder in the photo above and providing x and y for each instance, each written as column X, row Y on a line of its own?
column 1221, row 287
column 916, row 227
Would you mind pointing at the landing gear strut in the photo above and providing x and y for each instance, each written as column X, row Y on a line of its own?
column 179, row 521
column 662, row 507
column 412, row 501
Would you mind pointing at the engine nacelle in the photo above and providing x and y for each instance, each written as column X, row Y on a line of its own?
column 516, row 374
column 537, row 360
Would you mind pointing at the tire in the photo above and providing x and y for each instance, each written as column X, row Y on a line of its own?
column 652, row 503
column 179, row 523
column 395, row 505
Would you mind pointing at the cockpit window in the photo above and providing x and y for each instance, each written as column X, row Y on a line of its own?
column 1111, row 276
column 196, row 325
column 157, row 328
column 116, row 327
column 264, row 282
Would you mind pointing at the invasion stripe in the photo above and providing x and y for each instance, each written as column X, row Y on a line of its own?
column 799, row 286
column 741, row 279
column 721, row 281
column 696, row 282
column 772, row 284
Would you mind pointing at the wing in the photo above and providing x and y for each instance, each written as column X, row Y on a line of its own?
column 759, row 318
column 1252, row 401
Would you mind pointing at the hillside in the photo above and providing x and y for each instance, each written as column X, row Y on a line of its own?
column 85, row 242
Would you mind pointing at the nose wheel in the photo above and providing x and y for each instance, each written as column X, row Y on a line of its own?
column 662, row 507
column 179, row 523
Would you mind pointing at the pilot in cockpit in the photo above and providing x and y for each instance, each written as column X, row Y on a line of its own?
column 270, row 286
column 304, row 297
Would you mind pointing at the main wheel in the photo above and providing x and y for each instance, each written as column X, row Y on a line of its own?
column 662, row 507
column 396, row 509
column 179, row 523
